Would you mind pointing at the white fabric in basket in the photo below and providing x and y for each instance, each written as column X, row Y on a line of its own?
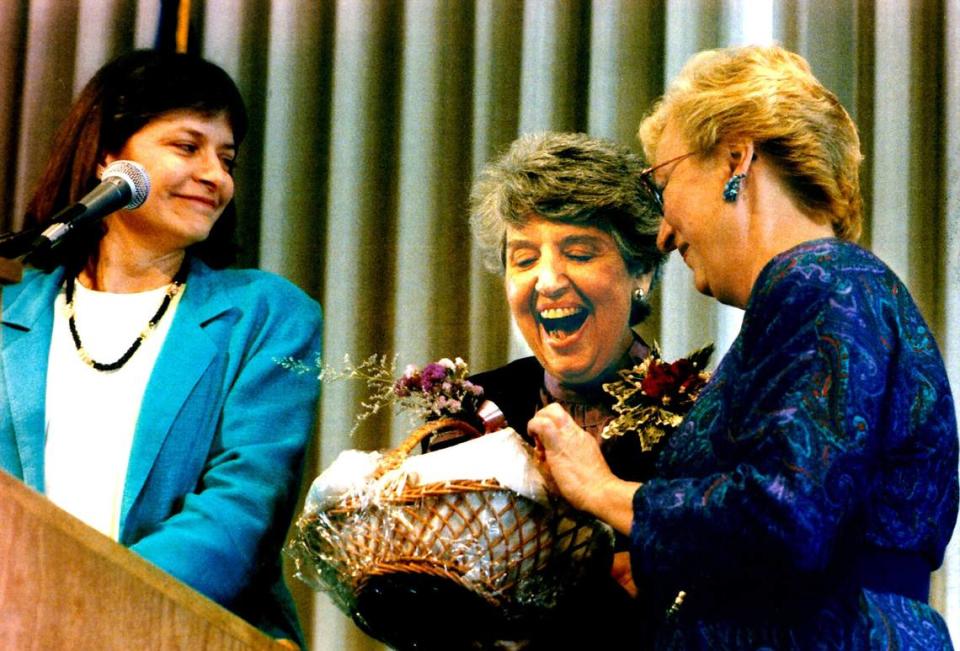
column 348, row 475
column 500, row 455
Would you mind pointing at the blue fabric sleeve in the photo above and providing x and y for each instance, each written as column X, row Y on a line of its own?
column 234, row 523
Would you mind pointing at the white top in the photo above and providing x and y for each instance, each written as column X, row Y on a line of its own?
column 91, row 415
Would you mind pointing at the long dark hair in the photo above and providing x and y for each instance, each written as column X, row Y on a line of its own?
column 120, row 99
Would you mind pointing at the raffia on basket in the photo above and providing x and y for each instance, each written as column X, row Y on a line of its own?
column 478, row 534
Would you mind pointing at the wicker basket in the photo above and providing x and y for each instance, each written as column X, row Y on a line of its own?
column 517, row 556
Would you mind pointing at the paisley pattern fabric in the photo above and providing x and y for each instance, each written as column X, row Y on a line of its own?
column 814, row 484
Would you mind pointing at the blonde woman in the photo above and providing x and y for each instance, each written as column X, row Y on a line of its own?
column 813, row 487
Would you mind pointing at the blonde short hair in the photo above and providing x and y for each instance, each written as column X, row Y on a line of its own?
column 769, row 95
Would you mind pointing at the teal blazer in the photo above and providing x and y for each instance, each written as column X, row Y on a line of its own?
column 217, row 453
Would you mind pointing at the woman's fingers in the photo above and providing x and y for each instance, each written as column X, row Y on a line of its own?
column 551, row 426
column 572, row 456
column 576, row 466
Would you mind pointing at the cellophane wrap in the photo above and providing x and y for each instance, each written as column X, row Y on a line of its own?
column 521, row 554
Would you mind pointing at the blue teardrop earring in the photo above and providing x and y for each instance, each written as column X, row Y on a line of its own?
column 731, row 191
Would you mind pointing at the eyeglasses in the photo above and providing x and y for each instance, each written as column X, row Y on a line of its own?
column 654, row 193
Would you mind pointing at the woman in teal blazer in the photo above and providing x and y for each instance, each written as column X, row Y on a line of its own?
column 216, row 455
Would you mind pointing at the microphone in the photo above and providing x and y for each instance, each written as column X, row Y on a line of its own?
column 123, row 184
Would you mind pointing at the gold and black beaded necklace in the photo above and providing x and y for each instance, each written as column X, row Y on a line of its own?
column 172, row 290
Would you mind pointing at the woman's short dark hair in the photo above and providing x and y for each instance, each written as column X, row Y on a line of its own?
column 119, row 100
column 572, row 178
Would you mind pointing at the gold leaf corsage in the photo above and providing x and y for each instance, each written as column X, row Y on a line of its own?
column 653, row 397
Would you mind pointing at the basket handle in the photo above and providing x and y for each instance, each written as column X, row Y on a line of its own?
column 395, row 457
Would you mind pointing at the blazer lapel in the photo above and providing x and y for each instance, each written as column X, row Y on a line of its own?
column 185, row 356
column 27, row 327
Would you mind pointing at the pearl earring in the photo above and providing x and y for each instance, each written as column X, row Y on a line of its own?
column 639, row 295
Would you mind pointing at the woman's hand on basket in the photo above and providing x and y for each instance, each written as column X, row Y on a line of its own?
column 576, row 467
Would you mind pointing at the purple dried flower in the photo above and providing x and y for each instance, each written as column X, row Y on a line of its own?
column 432, row 375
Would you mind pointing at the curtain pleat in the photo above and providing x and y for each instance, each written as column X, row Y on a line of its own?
column 900, row 183
column 147, row 20
column 626, row 66
column 369, row 118
column 47, row 90
column 295, row 141
column 498, row 38
column 104, row 29
column 554, row 67
column 12, row 39
column 431, row 282
column 358, row 278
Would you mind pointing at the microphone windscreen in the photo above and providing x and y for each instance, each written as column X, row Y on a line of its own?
column 134, row 176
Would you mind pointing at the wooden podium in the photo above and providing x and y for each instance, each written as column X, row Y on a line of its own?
column 64, row 585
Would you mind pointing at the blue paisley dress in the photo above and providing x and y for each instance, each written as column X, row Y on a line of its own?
column 813, row 487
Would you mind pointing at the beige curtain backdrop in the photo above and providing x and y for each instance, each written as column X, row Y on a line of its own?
column 369, row 118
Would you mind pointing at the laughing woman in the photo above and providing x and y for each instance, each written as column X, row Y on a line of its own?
column 139, row 389
column 564, row 218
